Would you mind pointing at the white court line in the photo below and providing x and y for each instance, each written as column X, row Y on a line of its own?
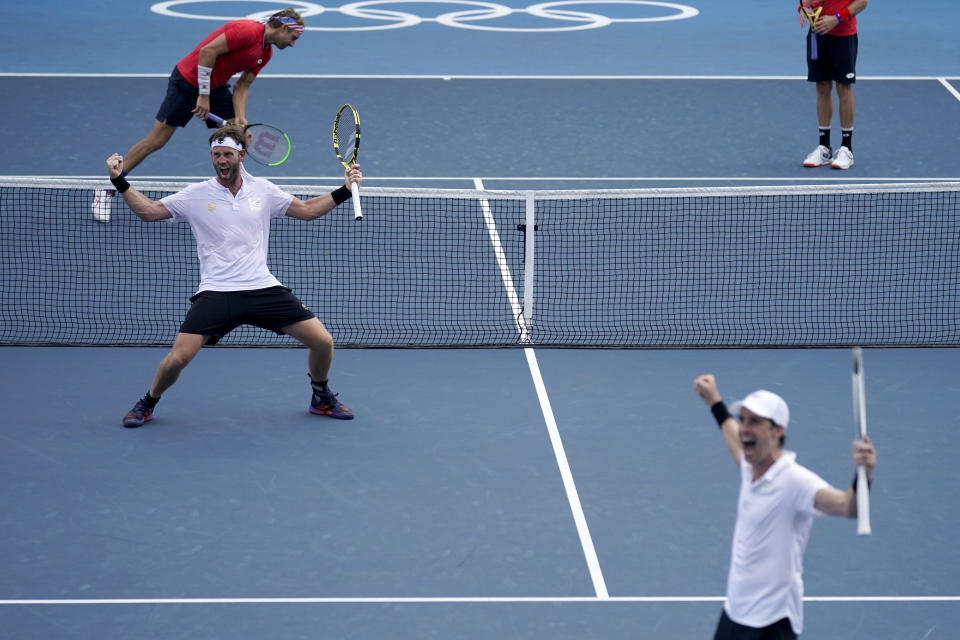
column 333, row 76
column 276, row 179
column 502, row 262
column 461, row 600
column 956, row 94
column 586, row 541
column 573, row 498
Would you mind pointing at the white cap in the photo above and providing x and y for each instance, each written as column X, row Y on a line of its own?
column 765, row 404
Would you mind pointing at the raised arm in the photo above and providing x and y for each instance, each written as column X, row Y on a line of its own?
column 835, row 502
column 315, row 207
column 705, row 386
column 145, row 208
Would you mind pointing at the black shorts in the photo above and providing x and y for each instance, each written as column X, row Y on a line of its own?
column 727, row 629
column 836, row 59
column 181, row 99
column 217, row 313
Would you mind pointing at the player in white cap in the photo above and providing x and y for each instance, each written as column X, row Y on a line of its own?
column 778, row 501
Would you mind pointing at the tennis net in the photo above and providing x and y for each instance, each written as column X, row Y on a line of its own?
column 724, row 267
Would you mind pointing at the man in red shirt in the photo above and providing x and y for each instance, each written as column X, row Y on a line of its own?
column 834, row 38
column 199, row 84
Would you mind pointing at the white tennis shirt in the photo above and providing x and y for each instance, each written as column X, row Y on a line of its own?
column 774, row 516
column 232, row 232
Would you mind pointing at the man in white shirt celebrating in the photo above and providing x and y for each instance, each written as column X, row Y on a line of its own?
column 230, row 218
column 778, row 501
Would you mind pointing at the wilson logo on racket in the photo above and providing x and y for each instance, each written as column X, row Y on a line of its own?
column 266, row 143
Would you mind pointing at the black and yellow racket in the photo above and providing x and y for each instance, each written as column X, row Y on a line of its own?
column 346, row 143
column 812, row 9
column 266, row 143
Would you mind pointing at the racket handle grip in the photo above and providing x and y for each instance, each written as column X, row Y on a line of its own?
column 863, row 502
column 217, row 119
column 355, row 190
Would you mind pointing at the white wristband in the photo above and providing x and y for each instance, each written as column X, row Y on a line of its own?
column 203, row 79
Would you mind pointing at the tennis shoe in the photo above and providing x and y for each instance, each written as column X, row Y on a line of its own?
column 818, row 157
column 843, row 159
column 138, row 415
column 102, row 204
column 326, row 404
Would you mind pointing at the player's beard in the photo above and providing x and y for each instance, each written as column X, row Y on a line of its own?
column 227, row 173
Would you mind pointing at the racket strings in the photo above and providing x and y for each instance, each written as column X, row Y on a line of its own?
column 346, row 134
column 347, row 150
column 267, row 144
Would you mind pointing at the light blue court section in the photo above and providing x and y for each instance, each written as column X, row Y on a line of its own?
column 512, row 130
column 470, row 37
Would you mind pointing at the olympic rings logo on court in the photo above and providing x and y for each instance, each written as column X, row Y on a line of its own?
column 470, row 18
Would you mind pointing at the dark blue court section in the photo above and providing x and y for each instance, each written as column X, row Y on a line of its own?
column 652, row 130
column 403, row 501
column 435, row 489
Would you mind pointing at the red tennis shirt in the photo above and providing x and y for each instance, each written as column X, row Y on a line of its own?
column 833, row 7
column 247, row 53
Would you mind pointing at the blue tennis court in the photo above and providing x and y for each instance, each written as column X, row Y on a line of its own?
column 480, row 493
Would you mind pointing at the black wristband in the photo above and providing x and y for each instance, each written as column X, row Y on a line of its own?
column 720, row 413
column 120, row 183
column 341, row 194
column 854, row 485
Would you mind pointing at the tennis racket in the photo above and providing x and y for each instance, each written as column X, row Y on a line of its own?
column 812, row 9
column 346, row 143
column 860, row 425
column 266, row 144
